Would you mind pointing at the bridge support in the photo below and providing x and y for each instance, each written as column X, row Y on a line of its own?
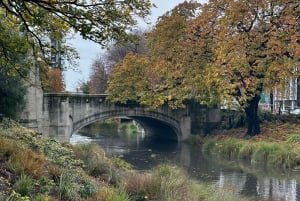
column 32, row 114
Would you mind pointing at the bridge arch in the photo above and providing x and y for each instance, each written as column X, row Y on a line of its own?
column 162, row 125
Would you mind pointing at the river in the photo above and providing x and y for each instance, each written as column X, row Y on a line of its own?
column 259, row 183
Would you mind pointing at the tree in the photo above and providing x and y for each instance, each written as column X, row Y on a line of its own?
column 117, row 52
column 99, row 76
column 13, row 69
column 101, row 21
column 103, row 65
column 166, row 77
column 128, row 82
column 55, row 81
column 256, row 46
column 230, row 50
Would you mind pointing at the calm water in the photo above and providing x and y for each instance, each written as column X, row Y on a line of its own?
column 256, row 182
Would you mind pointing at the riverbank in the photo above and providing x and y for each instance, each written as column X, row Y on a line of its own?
column 277, row 145
column 36, row 168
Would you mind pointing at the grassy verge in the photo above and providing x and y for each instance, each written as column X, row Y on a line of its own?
column 277, row 146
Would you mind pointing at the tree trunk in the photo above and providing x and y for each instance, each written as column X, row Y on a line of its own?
column 252, row 116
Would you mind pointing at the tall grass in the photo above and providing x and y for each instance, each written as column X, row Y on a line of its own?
column 294, row 137
column 246, row 150
column 28, row 162
column 68, row 187
column 213, row 193
column 24, row 185
column 164, row 183
column 110, row 194
column 282, row 154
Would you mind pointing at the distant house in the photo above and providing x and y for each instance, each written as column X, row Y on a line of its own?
column 282, row 100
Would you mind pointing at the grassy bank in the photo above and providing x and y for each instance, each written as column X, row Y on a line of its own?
column 41, row 169
column 277, row 146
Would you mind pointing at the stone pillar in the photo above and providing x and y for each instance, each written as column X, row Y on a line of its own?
column 185, row 127
column 57, row 109
column 33, row 112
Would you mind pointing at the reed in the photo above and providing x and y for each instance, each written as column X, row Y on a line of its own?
column 230, row 148
column 170, row 183
column 246, row 150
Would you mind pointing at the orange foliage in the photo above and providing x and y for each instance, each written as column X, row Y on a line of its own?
column 56, row 82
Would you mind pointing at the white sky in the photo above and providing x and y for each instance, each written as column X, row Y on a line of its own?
column 88, row 50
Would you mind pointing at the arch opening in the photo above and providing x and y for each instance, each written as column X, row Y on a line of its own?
column 154, row 128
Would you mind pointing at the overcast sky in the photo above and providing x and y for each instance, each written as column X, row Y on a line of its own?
column 88, row 50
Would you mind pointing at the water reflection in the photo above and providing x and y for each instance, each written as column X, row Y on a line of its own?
column 254, row 182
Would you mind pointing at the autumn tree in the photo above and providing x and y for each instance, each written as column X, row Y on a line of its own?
column 165, row 76
column 55, row 83
column 226, row 51
column 103, row 64
column 256, row 46
column 127, row 82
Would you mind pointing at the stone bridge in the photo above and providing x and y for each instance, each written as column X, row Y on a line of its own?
column 59, row 115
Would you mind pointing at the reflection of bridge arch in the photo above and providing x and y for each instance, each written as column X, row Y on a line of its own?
column 151, row 121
